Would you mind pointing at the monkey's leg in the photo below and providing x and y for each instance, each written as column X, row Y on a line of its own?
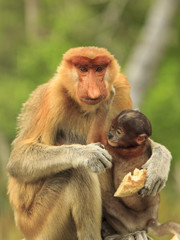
column 106, row 229
column 157, row 229
column 45, row 212
column 123, row 220
column 124, row 232
column 86, row 205
column 115, row 208
column 67, row 207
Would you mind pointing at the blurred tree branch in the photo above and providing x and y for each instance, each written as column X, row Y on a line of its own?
column 31, row 19
column 154, row 37
column 110, row 17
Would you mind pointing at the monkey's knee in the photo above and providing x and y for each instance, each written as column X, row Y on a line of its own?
column 68, row 206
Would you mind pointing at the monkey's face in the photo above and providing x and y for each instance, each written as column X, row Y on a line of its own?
column 118, row 137
column 92, row 79
column 91, row 71
column 116, row 134
column 91, row 87
column 129, row 129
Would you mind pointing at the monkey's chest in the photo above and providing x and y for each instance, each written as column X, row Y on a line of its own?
column 137, row 203
column 123, row 166
column 66, row 136
column 74, row 130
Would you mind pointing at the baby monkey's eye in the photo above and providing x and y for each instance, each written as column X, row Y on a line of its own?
column 119, row 132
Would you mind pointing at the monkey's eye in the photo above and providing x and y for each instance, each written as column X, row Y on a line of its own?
column 119, row 132
column 99, row 69
column 112, row 127
column 83, row 69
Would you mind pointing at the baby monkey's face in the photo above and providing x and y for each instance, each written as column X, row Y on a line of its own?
column 129, row 129
column 116, row 135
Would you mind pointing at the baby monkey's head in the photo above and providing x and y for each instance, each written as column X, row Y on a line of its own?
column 129, row 129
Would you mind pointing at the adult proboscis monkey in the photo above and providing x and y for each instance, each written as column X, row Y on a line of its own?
column 54, row 187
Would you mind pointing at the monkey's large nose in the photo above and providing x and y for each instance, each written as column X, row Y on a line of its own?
column 94, row 92
column 109, row 135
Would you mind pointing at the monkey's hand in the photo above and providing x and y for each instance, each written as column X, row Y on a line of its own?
column 94, row 157
column 140, row 235
column 157, row 170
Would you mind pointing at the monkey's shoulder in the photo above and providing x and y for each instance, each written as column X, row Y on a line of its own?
column 31, row 105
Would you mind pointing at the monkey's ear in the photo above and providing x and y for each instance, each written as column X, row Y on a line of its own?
column 141, row 138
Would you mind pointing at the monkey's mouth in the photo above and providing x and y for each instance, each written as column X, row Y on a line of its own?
column 91, row 101
column 112, row 144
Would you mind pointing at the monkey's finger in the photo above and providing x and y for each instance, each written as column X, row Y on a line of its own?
column 155, row 189
column 106, row 155
column 149, row 238
column 161, row 186
column 128, row 237
column 150, row 187
column 103, row 151
column 106, row 161
column 114, row 237
column 96, row 167
column 140, row 236
column 143, row 191
column 145, row 236
column 97, row 164
column 153, row 185
column 100, row 145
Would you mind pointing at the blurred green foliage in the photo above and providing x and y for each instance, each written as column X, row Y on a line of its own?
column 29, row 60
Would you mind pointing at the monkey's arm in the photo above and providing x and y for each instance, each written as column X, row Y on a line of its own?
column 34, row 161
column 158, row 167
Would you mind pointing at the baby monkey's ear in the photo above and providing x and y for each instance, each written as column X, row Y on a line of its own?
column 141, row 138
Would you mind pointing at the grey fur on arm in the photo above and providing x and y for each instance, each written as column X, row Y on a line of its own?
column 33, row 162
column 158, row 167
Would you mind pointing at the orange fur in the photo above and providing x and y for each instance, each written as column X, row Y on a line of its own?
column 47, row 190
column 60, row 96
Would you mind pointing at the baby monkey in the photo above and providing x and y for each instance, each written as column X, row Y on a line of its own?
column 129, row 145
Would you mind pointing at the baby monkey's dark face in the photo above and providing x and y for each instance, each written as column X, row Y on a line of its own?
column 129, row 129
column 116, row 135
